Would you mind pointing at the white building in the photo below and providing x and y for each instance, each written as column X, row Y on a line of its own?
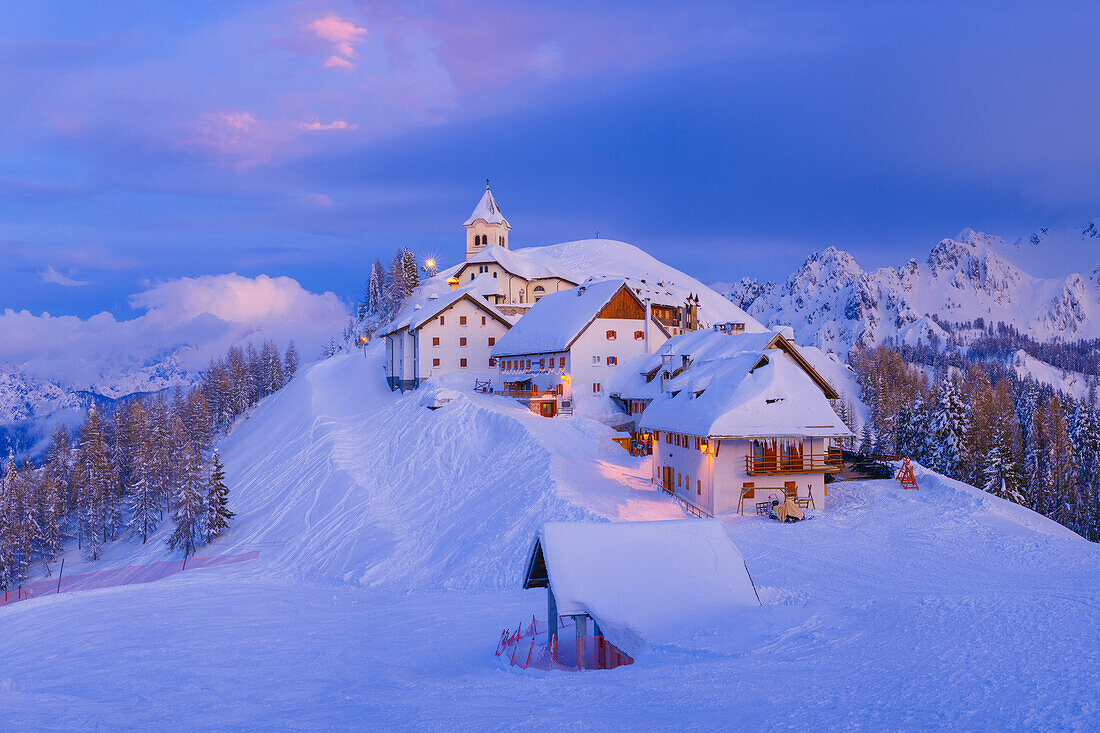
column 441, row 332
column 570, row 342
column 734, row 419
column 488, row 253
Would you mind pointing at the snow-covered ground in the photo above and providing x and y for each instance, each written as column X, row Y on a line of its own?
column 392, row 542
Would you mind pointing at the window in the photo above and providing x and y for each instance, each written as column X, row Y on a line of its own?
column 677, row 440
column 542, row 363
column 492, row 340
column 441, row 320
column 561, row 362
column 677, row 480
column 435, row 341
column 611, row 335
column 462, row 363
column 528, row 364
column 612, row 360
column 596, row 360
column 494, row 273
column 699, row 487
column 539, row 289
column 462, row 341
column 595, row 388
column 435, row 362
column 639, row 335
column 668, row 438
column 501, row 239
column 462, row 320
column 483, row 320
column 492, row 361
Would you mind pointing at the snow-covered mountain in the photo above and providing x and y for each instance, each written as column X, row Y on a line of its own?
column 834, row 303
column 25, row 397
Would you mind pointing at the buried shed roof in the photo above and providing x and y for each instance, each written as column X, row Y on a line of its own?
column 642, row 581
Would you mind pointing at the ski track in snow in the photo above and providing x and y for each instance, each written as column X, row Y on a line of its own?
column 392, row 542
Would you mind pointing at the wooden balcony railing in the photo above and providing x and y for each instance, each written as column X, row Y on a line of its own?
column 805, row 463
column 524, row 394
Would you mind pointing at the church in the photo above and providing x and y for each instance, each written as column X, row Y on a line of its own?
column 456, row 320
column 453, row 323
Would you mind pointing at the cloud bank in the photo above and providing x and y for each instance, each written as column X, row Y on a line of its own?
column 185, row 322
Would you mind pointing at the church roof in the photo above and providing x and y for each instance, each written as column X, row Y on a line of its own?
column 488, row 210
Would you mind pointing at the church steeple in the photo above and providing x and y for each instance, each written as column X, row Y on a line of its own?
column 486, row 226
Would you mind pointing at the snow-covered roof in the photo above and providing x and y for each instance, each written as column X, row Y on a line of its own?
column 553, row 323
column 435, row 296
column 487, row 210
column 636, row 379
column 745, row 390
column 643, row 582
column 519, row 263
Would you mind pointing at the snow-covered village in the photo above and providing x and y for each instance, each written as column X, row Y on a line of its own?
column 708, row 408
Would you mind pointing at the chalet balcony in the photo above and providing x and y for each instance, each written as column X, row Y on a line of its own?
column 774, row 465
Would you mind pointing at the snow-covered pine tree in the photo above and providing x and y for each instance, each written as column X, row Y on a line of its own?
column 949, row 427
column 217, row 501
column 290, row 362
column 274, row 378
column 411, row 270
column 190, row 502
column 378, row 308
column 143, row 496
column 96, row 477
column 8, row 489
column 255, row 374
column 999, row 468
column 59, row 463
column 53, row 512
column 866, row 440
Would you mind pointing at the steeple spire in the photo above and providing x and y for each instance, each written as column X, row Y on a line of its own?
column 486, row 226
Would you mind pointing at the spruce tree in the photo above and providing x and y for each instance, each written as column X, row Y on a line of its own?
column 290, row 362
column 949, row 427
column 217, row 501
column 190, row 503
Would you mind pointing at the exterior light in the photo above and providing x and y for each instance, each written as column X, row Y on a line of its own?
column 704, row 446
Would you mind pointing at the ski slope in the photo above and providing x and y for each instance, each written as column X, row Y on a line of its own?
column 393, row 541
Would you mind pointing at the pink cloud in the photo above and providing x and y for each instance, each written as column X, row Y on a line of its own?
column 335, row 62
column 334, row 125
column 342, row 34
column 318, row 199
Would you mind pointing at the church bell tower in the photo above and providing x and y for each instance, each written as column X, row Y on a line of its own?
column 486, row 226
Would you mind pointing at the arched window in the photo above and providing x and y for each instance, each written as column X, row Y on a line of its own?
column 540, row 289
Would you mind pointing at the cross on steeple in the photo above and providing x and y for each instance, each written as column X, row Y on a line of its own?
column 486, row 184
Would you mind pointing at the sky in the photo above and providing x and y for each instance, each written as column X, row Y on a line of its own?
column 144, row 144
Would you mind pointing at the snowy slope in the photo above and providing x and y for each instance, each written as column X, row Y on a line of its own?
column 940, row 608
column 336, row 479
column 833, row 303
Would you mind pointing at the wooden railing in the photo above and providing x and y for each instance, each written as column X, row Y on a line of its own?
column 686, row 505
column 527, row 394
column 805, row 463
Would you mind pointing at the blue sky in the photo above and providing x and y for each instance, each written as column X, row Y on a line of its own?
column 142, row 142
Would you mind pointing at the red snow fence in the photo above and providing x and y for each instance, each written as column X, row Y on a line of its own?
column 529, row 648
column 129, row 575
